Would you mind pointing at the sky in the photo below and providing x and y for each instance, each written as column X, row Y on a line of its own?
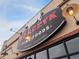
column 15, row 13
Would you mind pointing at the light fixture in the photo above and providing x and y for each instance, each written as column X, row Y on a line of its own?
column 26, row 27
column 15, row 31
column 21, row 33
column 71, row 11
column 41, row 15
column 27, row 38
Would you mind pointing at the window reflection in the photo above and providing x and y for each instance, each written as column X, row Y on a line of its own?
column 75, row 57
column 64, row 58
column 32, row 56
column 41, row 55
column 24, row 58
column 73, row 45
column 57, row 51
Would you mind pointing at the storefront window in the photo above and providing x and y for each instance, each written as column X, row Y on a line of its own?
column 60, row 51
column 41, row 55
column 28, row 57
column 75, row 57
column 57, row 51
column 32, row 56
column 73, row 45
column 64, row 58
column 24, row 58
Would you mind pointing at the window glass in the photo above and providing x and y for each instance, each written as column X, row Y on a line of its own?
column 32, row 56
column 64, row 58
column 57, row 51
column 24, row 58
column 28, row 57
column 73, row 45
column 75, row 57
column 41, row 55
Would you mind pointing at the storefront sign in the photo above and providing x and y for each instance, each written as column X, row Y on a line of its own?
column 41, row 30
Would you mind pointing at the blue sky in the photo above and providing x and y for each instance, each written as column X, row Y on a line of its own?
column 15, row 13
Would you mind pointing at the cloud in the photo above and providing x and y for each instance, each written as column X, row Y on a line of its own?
column 32, row 8
column 4, row 25
column 1, row 1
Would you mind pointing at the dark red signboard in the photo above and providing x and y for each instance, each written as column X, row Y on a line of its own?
column 41, row 30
